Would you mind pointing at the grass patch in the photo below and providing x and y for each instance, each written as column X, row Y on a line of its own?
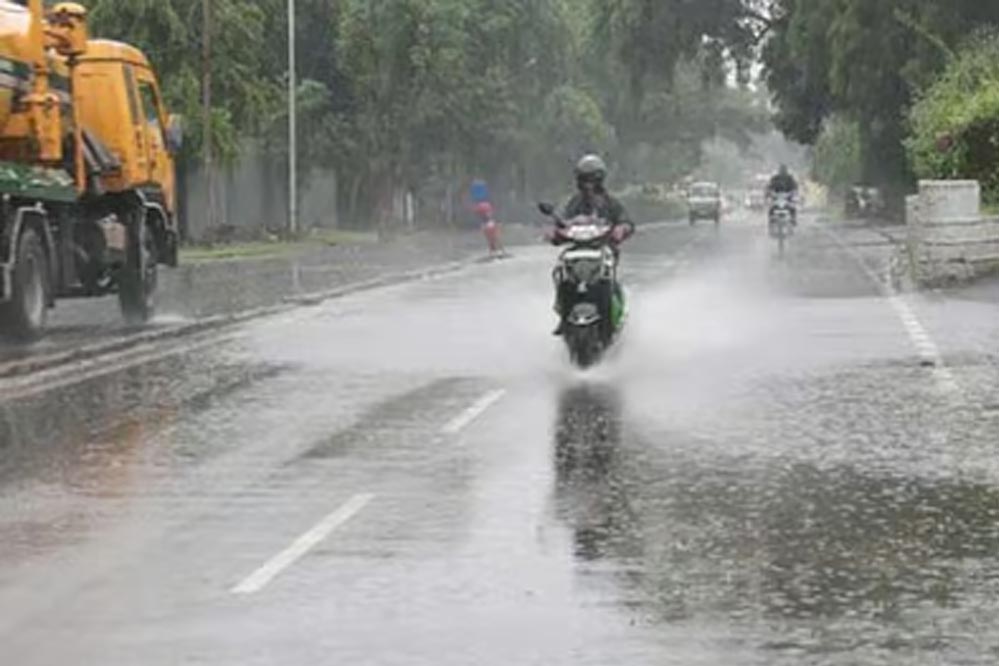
column 276, row 248
column 253, row 250
column 991, row 209
column 342, row 237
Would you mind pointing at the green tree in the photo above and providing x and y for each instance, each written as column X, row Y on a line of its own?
column 864, row 60
column 420, row 95
column 651, row 38
column 837, row 159
column 955, row 124
column 169, row 32
column 663, row 72
column 444, row 89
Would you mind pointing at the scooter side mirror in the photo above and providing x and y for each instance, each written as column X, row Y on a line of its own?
column 546, row 209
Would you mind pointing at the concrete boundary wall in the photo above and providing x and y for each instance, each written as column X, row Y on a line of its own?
column 949, row 240
column 251, row 198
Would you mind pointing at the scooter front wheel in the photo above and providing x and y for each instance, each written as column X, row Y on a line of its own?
column 584, row 345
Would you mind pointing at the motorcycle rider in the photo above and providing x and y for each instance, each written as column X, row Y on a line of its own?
column 784, row 183
column 591, row 199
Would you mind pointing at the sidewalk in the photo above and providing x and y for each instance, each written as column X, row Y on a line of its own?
column 206, row 287
column 877, row 243
column 210, row 287
column 984, row 290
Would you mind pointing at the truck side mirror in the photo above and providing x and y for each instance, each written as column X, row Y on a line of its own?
column 546, row 209
column 174, row 134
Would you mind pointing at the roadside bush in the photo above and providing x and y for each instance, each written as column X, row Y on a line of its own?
column 955, row 124
column 837, row 158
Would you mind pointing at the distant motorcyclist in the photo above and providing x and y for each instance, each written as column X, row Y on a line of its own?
column 591, row 199
column 784, row 183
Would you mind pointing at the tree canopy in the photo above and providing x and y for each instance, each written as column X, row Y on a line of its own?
column 245, row 88
column 955, row 124
column 867, row 62
column 421, row 94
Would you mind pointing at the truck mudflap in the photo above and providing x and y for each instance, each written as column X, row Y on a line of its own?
column 165, row 226
column 172, row 258
column 115, row 239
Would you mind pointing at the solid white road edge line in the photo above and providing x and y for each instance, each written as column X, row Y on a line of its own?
column 477, row 409
column 259, row 579
column 927, row 350
column 63, row 376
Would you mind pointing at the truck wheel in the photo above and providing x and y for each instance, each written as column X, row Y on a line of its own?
column 138, row 277
column 23, row 318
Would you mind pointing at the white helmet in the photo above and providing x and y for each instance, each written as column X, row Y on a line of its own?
column 591, row 168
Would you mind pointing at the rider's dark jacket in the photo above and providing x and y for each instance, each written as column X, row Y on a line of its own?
column 783, row 183
column 600, row 204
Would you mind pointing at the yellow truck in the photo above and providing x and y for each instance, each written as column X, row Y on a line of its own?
column 87, row 190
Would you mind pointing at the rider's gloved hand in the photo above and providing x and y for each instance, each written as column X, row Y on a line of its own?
column 620, row 233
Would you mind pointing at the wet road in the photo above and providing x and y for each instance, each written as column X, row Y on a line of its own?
column 210, row 288
column 769, row 470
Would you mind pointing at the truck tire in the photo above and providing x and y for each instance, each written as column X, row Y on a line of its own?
column 23, row 317
column 137, row 279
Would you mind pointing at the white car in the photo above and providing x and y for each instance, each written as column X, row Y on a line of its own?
column 704, row 202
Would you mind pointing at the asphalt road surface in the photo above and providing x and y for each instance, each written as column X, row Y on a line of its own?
column 782, row 463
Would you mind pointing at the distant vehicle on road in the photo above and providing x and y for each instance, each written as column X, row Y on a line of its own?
column 755, row 200
column 756, row 195
column 704, row 202
column 862, row 202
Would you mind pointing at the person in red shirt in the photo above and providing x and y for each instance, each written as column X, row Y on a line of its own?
column 490, row 227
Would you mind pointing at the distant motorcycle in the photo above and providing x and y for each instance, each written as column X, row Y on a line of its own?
column 864, row 202
column 585, row 280
column 782, row 217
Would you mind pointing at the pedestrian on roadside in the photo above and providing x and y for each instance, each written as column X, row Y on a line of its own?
column 490, row 228
column 485, row 212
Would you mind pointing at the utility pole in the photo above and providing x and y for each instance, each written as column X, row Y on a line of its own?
column 292, row 125
column 206, row 110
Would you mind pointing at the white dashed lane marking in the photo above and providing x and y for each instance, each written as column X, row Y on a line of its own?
column 259, row 579
column 474, row 411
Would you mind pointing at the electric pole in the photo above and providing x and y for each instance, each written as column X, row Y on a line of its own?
column 206, row 110
column 292, row 125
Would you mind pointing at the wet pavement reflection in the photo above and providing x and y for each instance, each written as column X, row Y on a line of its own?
column 804, row 562
column 592, row 486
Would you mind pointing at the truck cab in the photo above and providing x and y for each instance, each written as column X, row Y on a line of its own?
column 118, row 101
column 128, row 140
